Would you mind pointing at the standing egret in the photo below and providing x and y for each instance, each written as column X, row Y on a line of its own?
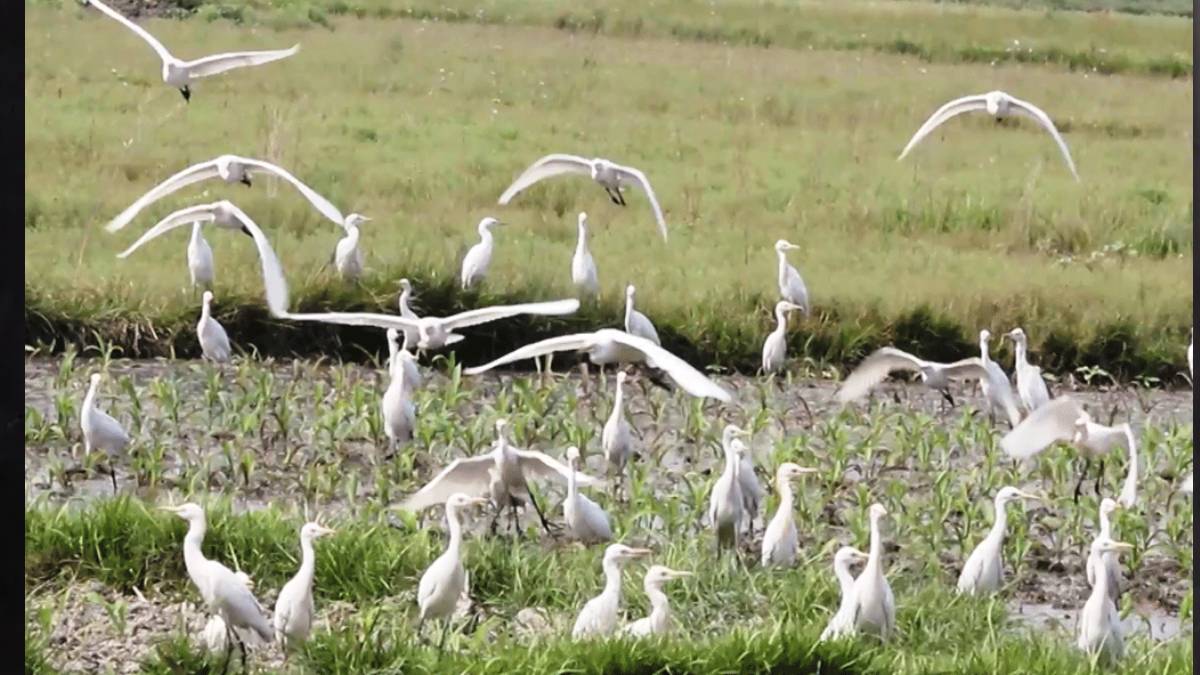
column 774, row 349
column 599, row 616
column 791, row 286
column 400, row 358
column 612, row 177
column 294, row 607
column 479, row 257
column 442, row 584
column 983, row 572
column 101, row 432
column 1030, row 385
column 200, row 259
column 583, row 267
column 411, row 335
column 399, row 413
column 751, row 489
column 347, row 256
column 1106, row 565
column 636, row 323
column 876, row 367
column 1099, row 623
column 996, row 387
column 725, row 502
column 875, row 606
column 585, row 519
column 617, row 439
column 216, row 634
column 842, row 622
column 659, row 621
column 779, row 544
column 214, row 341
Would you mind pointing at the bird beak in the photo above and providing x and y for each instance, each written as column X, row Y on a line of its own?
column 640, row 552
column 1027, row 495
column 678, row 574
column 325, row 530
column 170, row 509
column 480, row 500
column 1122, row 546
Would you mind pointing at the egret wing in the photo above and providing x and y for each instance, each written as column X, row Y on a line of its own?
column 192, row 214
column 875, row 369
column 475, row 317
column 955, row 107
column 190, row 175
column 562, row 343
column 693, row 381
column 972, row 368
column 1038, row 115
column 631, row 175
column 465, row 474
column 541, row 465
column 219, row 63
column 272, row 271
column 1052, row 422
column 322, row 204
column 546, row 167
column 142, row 32
column 356, row 319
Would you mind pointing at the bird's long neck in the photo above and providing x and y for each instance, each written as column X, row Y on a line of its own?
column 581, row 245
column 1000, row 523
column 196, row 232
column 875, row 555
column 193, row 558
column 612, row 579
column 1105, row 525
column 983, row 351
column 308, row 562
column 351, row 236
column 787, row 498
column 780, row 320
column 206, row 311
column 841, row 570
column 393, row 349
column 485, row 236
column 619, row 402
column 783, row 265
column 1100, row 589
column 572, row 486
column 455, row 526
column 628, row 309
column 89, row 401
column 660, row 606
column 1021, row 352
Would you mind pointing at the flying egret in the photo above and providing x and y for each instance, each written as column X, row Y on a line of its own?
column 996, row 387
column 214, row 342
column 637, row 323
column 876, row 367
column 842, row 622
column 179, row 74
column 400, row 358
column 585, row 519
column 216, row 634
column 411, row 335
column 774, row 349
column 437, row 332
column 983, row 572
column 479, row 257
column 874, row 604
column 443, row 582
column 1030, row 385
column 1099, row 623
column 607, row 346
column 347, row 256
column 659, row 621
column 1107, row 564
column 225, row 214
column 617, row 439
column 999, row 105
column 726, row 504
column 751, row 489
column 294, row 607
column 231, row 169
column 583, row 267
column 779, row 544
column 791, row 286
column 101, row 432
column 223, row 592
column 399, row 412
column 1064, row 420
column 612, row 177
column 200, row 259
column 599, row 616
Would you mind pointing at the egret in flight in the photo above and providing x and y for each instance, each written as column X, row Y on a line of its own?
column 983, row 572
column 214, row 341
column 294, row 607
column 585, row 519
column 876, row 367
column 1099, row 623
column 780, row 541
column 442, row 584
column 659, row 621
column 101, row 432
column 347, row 256
column 1030, row 385
column 475, row 264
column 200, row 259
column 774, row 349
column 1107, row 564
column 791, row 286
column 583, row 267
column 875, row 605
column 637, row 323
column 600, row 615
column 842, row 622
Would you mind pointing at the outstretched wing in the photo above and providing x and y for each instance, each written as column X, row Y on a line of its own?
column 1038, row 115
column 546, row 167
column 466, row 474
column 192, row 214
column 632, row 175
column 562, row 343
column 190, row 175
column 219, row 63
column 142, row 32
column 541, row 465
column 322, row 204
column 875, row 369
column 1052, row 422
column 955, row 107
column 475, row 317
column 693, row 381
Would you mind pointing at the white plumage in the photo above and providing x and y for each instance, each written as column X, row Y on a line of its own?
column 101, row 432
column 996, row 387
column 583, row 267
column 200, row 259
column 477, row 260
column 876, row 367
column 616, row 439
column 585, row 519
column 347, row 256
column 600, row 615
column 780, row 541
column 1030, row 385
column 841, row 623
column 791, row 286
column 1099, row 627
column 399, row 412
column 659, row 620
column 726, row 504
column 874, row 603
column 1106, row 564
column 983, row 571
column 294, row 607
column 637, row 323
column 441, row 587
column 399, row 358
column 214, row 341
column 774, row 350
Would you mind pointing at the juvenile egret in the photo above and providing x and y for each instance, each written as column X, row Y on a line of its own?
column 1030, row 385
column 1099, row 623
column 179, row 74
column 442, row 584
column 437, row 332
column 411, row 335
column 842, row 622
column 983, row 572
column 585, row 519
column 999, row 105
column 347, row 256
column 225, row 214
column 479, row 257
column 583, row 267
column 294, row 607
column 617, row 439
column 599, row 616
column 607, row 346
column 876, row 367
column 659, row 621
column 223, row 592
column 214, row 342
column 216, row 634
column 751, row 489
column 1106, row 565
column 231, row 169
column 779, row 544
column 200, row 259
column 101, row 432
column 1064, row 420
column 875, row 606
column 400, row 358
column 726, row 504
column 791, row 286
column 636, row 323
column 612, row 177
column 774, row 349
column 996, row 387
column 399, row 413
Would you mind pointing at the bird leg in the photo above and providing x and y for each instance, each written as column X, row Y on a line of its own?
column 112, row 472
column 1099, row 475
column 946, row 395
column 545, row 525
column 613, row 196
column 241, row 647
column 515, row 519
column 1087, row 464
column 496, row 517
column 445, row 631
column 187, row 93
column 583, row 370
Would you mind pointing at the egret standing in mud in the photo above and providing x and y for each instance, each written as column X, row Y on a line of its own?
column 101, row 432
column 984, row 570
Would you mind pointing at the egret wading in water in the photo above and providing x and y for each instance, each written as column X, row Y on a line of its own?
column 347, row 256
column 1099, row 623
column 583, row 267
column 983, row 572
column 214, row 341
column 616, row 439
column 774, row 350
column 101, row 432
column 659, row 621
column 200, row 259
column 725, row 505
column 842, row 622
column 1106, row 565
column 479, row 257
column 996, row 387
column 874, row 604
column 443, row 582
column 883, row 361
column 780, row 541
column 585, row 520
column 791, row 286
column 1030, row 385
column 599, row 617
column 294, row 607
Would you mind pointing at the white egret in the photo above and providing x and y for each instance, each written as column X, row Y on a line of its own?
column 659, row 621
column 400, row 358
column 585, row 519
column 599, row 616
column 214, row 341
column 983, row 572
column 101, row 432
column 479, row 257
column 616, row 440
column 637, row 323
column 999, row 105
column 294, row 607
column 200, row 259
column 774, row 349
column 399, row 412
column 216, row 634
column 347, row 256
column 411, row 335
column 1064, row 420
column 1030, row 385
column 442, row 584
column 179, row 74
column 791, row 286
column 996, row 387
column 583, row 267
column 842, row 622
column 780, row 541
column 874, row 603
column 752, row 490
column 612, row 177
column 1099, row 623
column 608, row 346
column 225, row 214
column 1106, row 564
column 726, row 504
column 876, row 367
